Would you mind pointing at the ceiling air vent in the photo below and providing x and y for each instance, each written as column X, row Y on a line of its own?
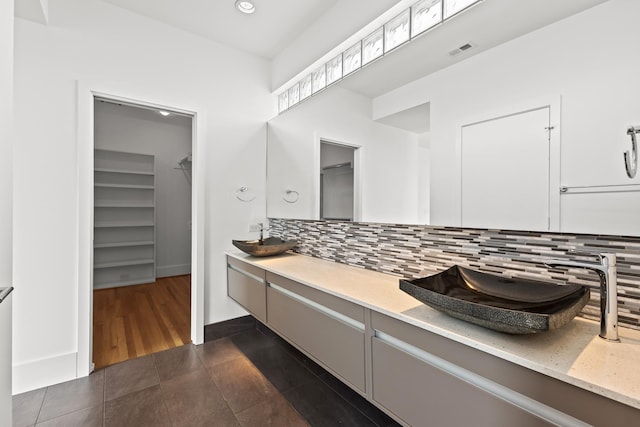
column 462, row 48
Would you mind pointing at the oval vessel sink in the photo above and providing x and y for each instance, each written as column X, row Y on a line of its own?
column 516, row 306
column 267, row 247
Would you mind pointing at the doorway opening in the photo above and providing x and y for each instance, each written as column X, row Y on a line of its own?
column 141, row 230
column 337, row 181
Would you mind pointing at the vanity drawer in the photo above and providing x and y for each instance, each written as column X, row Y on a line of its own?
column 573, row 401
column 339, row 305
column 246, row 286
column 330, row 337
column 423, row 395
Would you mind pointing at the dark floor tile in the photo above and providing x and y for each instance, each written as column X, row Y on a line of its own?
column 219, row 351
column 71, row 396
column 140, row 409
column 26, row 407
column 281, row 368
column 275, row 412
column 227, row 328
column 360, row 403
column 129, row 376
column 251, row 341
column 193, row 399
column 177, row 361
column 265, row 330
column 241, row 384
column 302, row 358
column 321, row 406
column 89, row 417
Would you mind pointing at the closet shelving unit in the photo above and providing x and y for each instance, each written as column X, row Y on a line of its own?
column 124, row 248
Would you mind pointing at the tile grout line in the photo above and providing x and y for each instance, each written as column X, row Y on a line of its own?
column 213, row 381
column 164, row 402
column 41, row 406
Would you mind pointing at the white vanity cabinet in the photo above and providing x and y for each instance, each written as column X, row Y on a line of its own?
column 330, row 330
column 246, row 286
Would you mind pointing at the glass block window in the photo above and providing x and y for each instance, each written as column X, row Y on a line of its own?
column 283, row 101
column 305, row 87
column 294, row 94
column 424, row 15
column 318, row 79
column 451, row 7
column 396, row 31
column 334, row 69
column 352, row 58
column 372, row 46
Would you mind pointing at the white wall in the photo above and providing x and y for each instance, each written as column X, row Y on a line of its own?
column 92, row 41
column 388, row 158
column 138, row 130
column 6, row 138
column 6, row 202
column 586, row 60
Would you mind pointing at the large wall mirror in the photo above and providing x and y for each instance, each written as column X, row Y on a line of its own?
column 527, row 135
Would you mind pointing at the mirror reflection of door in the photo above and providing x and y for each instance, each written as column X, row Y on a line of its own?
column 505, row 172
column 336, row 181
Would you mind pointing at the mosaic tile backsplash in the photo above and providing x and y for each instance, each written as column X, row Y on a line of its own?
column 413, row 251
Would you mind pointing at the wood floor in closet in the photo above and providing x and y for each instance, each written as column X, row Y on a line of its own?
column 133, row 321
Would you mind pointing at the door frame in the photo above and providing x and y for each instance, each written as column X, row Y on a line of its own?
column 357, row 174
column 86, row 93
column 554, row 103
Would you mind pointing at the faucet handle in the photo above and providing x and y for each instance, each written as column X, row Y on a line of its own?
column 602, row 256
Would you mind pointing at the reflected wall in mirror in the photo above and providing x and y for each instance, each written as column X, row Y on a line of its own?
column 338, row 194
column 413, row 177
column 388, row 161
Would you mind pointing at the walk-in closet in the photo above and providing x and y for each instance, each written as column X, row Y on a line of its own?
column 142, row 231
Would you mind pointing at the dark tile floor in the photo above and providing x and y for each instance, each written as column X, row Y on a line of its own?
column 252, row 378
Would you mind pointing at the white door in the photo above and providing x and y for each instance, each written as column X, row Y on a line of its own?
column 505, row 172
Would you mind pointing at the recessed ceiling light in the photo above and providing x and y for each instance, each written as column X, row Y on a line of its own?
column 164, row 113
column 245, row 6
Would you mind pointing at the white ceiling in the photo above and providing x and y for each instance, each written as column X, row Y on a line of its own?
column 265, row 33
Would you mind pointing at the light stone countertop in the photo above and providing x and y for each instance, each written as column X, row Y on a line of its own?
column 573, row 354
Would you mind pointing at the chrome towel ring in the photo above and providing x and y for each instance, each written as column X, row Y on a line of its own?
column 631, row 158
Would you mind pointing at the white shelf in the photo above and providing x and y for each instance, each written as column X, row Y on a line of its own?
column 141, row 281
column 129, row 172
column 122, row 224
column 115, row 264
column 123, row 244
column 123, row 205
column 124, row 219
column 126, row 186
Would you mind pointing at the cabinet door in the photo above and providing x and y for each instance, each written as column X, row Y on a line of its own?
column 423, row 395
column 246, row 286
column 331, row 338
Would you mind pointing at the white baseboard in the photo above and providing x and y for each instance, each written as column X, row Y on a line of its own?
column 173, row 270
column 44, row 372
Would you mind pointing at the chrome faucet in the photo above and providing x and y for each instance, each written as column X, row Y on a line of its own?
column 606, row 269
column 262, row 229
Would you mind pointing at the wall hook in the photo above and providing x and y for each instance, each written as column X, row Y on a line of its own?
column 241, row 194
column 631, row 159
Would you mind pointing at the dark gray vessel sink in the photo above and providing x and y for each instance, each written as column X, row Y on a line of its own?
column 515, row 306
column 267, row 247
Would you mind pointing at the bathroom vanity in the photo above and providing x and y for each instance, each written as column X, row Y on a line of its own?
column 424, row 368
